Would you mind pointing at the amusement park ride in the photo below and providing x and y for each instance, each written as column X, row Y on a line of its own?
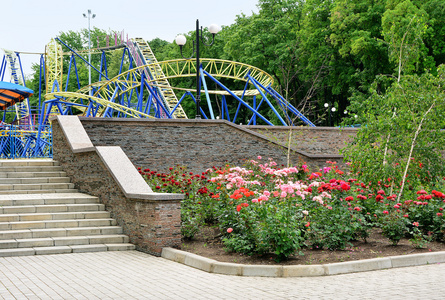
column 143, row 90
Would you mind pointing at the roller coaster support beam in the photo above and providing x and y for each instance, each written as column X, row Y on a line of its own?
column 281, row 99
column 72, row 50
column 259, row 87
column 42, row 66
column 238, row 98
column 23, row 75
column 291, row 108
column 3, row 67
column 207, row 95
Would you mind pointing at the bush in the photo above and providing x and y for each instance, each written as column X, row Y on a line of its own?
column 261, row 208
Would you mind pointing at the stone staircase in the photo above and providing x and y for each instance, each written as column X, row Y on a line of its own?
column 42, row 213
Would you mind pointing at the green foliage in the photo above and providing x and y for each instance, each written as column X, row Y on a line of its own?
column 402, row 132
column 394, row 226
column 317, row 51
column 274, row 226
column 403, row 29
column 262, row 209
column 336, row 225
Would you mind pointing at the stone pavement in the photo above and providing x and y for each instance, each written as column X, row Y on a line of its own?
column 136, row 275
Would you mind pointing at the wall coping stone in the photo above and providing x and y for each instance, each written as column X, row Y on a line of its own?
column 278, row 127
column 115, row 160
column 75, row 134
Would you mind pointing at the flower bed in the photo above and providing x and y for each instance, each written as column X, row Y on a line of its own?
column 261, row 208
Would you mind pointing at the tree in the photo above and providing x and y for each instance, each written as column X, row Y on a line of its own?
column 411, row 138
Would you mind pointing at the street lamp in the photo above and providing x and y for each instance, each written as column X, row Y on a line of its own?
column 331, row 111
column 326, row 105
column 90, row 16
column 181, row 40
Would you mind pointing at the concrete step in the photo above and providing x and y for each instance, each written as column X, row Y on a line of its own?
column 47, row 199
column 11, row 192
column 65, row 249
column 36, row 186
column 42, row 213
column 28, row 162
column 31, row 169
column 63, row 241
column 32, row 174
column 51, row 208
column 57, row 224
column 35, row 180
column 59, row 232
column 27, row 217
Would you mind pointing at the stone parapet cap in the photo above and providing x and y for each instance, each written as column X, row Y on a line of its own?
column 75, row 134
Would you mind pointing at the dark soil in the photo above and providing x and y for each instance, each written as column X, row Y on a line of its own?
column 207, row 243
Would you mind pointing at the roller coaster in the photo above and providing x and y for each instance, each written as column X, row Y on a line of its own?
column 141, row 89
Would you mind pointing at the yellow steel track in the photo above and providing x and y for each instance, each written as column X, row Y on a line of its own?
column 170, row 69
column 54, row 65
column 75, row 97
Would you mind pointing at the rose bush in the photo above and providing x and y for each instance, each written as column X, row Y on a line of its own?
column 263, row 208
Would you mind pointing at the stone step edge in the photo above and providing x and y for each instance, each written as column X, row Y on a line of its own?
column 65, row 214
column 59, row 229
column 46, row 207
column 213, row 266
column 66, row 249
column 47, row 196
column 29, row 192
column 57, row 224
column 81, row 239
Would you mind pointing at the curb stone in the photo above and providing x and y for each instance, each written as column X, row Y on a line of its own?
column 217, row 267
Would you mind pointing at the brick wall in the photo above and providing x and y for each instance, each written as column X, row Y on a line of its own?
column 197, row 144
column 312, row 140
column 150, row 224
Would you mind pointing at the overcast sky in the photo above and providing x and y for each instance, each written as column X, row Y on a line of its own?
column 28, row 25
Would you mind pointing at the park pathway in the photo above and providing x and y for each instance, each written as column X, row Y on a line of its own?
column 136, row 275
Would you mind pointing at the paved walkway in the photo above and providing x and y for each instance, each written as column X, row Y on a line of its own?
column 135, row 275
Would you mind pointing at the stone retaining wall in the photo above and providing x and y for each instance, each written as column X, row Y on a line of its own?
column 197, row 144
column 151, row 220
column 312, row 140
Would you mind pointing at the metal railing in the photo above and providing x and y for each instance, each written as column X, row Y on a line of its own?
column 24, row 141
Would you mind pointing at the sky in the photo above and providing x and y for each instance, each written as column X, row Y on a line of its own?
column 28, row 25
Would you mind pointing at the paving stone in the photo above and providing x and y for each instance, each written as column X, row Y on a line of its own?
column 136, row 275
column 71, row 240
column 304, row 271
column 50, row 232
column 52, row 250
column 262, row 271
column 120, row 247
column 30, row 243
column 17, row 252
column 358, row 266
column 89, row 248
column 199, row 262
column 83, row 231
column 227, row 268
column 16, row 234
column 5, row 244
column 417, row 259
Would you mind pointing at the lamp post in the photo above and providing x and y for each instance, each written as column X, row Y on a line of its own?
column 181, row 40
column 326, row 105
column 90, row 16
column 332, row 110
